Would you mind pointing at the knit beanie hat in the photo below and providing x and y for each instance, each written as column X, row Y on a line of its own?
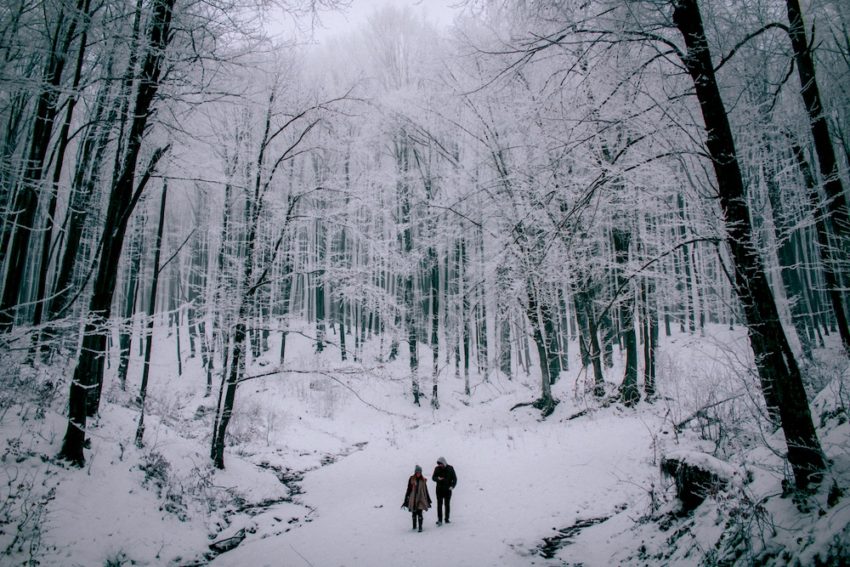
column 442, row 461
column 418, row 469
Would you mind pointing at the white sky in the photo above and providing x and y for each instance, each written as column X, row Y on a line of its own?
column 439, row 12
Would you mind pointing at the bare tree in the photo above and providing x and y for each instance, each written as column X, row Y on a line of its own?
column 781, row 381
column 88, row 374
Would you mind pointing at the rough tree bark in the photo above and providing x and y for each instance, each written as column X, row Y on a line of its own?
column 629, row 393
column 780, row 377
column 88, row 373
column 538, row 312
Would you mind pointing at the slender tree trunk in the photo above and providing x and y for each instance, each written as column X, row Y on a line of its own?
column 609, row 335
column 536, row 317
column 151, row 315
column 435, row 325
column 26, row 201
column 286, row 293
column 253, row 211
column 410, row 327
column 44, row 264
column 504, row 326
column 836, row 198
column 481, row 344
column 463, row 287
column 563, row 331
column 579, row 300
column 237, row 370
column 206, row 356
column 629, row 393
column 688, row 297
column 15, row 112
column 125, row 332
column 650, row 343
column 341, row 314
column 503, row 321
column 826, row 250
column 550, row 330
column 319, row 287
column 788, row 262
column 90, row 158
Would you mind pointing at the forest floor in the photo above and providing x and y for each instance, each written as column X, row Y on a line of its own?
column 319, row 457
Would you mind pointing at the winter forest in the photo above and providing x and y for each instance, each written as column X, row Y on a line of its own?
column 595, row 254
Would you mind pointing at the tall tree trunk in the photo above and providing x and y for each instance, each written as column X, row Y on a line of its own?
column 151, row 315
column 548, row 316
column 237, row 370
column 789, row 264
column 434, row 263
column 780, row 377
column 609, row 335
column 319, row 287
column 464, row 290
column 15, row 112
column 686, row 263
column 650, row 343
column 62, row 146
column 536, row 311
column 504, row 326
column 403, row 162
column 88, row 374
column 481, row 318
column 583, row 328
column 90, row 157
column 286, row 293
column 836, row 198
column 125, row 332
column 827, row 252
column 503, row 321
column 17, row 239
column 250, row 283
column 629, row 393
column 563, row 331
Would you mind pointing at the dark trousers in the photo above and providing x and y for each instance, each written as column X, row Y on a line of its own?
column 417, row 515
column 444, row 498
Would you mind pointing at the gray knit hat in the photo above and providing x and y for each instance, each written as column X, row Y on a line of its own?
column 418, row 469
column 442, row 461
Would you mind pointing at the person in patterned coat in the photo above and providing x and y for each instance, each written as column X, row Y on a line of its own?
column 417, row 499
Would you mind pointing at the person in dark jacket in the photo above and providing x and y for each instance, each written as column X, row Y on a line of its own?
column 417, row 499
column 446, row 479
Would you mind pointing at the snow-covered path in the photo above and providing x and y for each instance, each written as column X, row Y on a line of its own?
column 516, row 484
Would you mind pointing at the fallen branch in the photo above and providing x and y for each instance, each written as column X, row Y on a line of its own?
column 333, row 376
column 701, row 411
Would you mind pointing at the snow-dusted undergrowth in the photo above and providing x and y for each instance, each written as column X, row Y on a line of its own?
column 319, row 455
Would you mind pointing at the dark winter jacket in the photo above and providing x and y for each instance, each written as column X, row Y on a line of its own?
column 417, row 497
column 445, row 478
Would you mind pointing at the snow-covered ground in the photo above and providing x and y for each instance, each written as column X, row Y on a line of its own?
column 518, row 480
column 319, row 457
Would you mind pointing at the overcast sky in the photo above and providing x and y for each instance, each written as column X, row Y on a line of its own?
column 439, row 12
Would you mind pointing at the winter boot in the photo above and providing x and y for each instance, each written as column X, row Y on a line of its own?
column 420, row 523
